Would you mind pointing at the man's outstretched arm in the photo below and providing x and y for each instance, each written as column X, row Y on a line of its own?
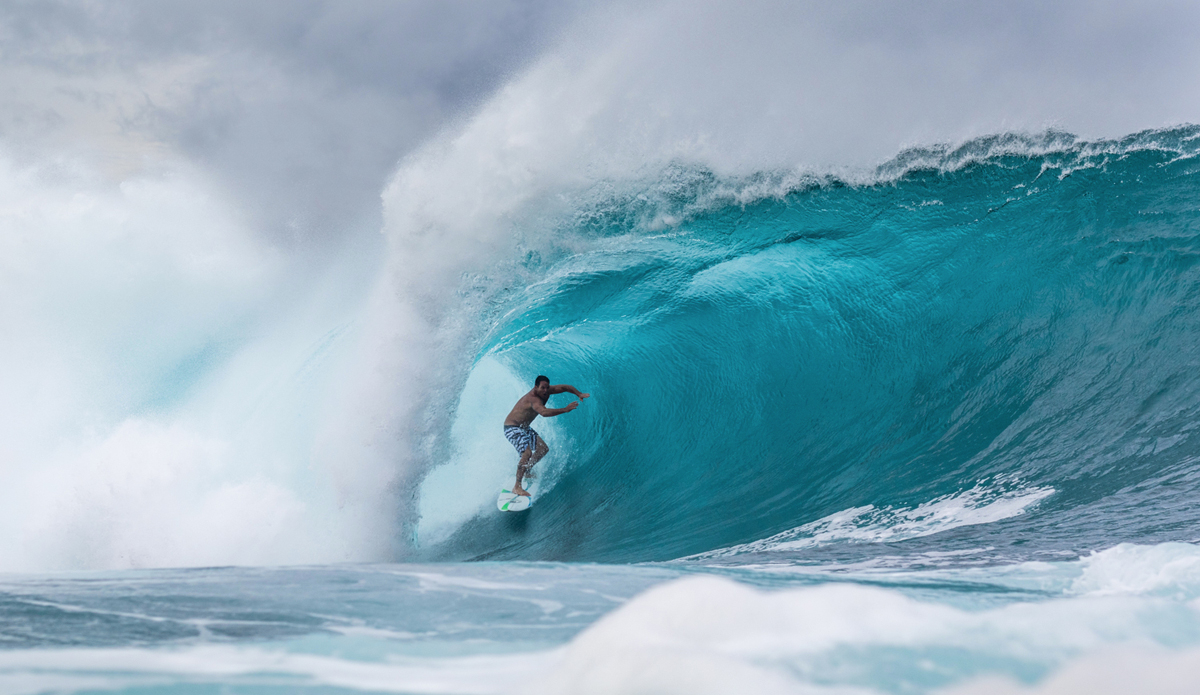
column 567, row 388
column 551, row 412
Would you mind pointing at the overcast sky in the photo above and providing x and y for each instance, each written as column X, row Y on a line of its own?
column 302, row 108
column 299, row 107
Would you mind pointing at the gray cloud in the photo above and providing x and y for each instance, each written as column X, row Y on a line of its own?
column 299, row 108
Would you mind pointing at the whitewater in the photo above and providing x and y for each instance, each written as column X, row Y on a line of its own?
column 921, row 425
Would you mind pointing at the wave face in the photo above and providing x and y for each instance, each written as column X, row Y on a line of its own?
column 1010, row 322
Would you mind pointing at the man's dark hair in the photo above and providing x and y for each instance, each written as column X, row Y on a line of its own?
column 540, row 379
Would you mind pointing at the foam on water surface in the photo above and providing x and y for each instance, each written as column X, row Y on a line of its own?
column 981, row 504
column 546, row 628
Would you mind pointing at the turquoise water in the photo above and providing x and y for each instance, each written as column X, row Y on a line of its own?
column 979, row 322
column 890, row 433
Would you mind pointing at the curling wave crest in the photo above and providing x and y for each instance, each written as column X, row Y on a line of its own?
column 854, row 357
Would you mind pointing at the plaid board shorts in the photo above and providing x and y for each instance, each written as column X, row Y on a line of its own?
column 523, row 438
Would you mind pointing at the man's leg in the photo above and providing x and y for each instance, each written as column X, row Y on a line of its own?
column 521, row 468
column 539, row 451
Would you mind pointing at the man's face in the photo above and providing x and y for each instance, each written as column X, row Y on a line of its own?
column 542, row 390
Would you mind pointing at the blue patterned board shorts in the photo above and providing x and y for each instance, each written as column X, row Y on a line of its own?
column 523, row 438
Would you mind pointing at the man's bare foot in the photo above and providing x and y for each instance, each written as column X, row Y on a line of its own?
column 520, row 491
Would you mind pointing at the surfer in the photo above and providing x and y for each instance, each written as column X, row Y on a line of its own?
column 516, row 426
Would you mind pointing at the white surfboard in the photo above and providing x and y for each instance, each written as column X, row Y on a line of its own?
column 509, row 501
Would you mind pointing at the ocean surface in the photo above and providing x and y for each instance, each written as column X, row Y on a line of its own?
column 926, row 428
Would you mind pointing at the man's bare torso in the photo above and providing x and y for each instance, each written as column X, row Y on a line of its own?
column 523, row 412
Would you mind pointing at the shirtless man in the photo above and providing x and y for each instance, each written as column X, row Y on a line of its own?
column 516, row 426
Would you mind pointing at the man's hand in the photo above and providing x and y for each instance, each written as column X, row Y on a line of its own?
column 572, row 406
column 584, row 395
